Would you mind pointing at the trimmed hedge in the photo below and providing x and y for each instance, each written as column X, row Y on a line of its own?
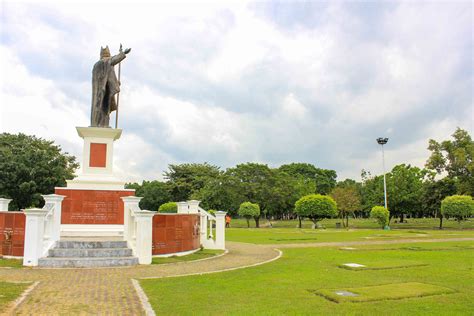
column 316, row 207
column 170, row 207
column 381, row 214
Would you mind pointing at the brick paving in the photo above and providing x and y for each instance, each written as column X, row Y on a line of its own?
column 109, row 291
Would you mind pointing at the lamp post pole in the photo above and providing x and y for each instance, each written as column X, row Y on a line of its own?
column 382, row 141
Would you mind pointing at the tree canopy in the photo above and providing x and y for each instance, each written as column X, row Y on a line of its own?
column 456, row 158
column 31, row 166
column 316, row 207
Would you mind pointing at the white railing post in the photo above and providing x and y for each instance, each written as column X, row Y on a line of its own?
column 56, row 201
column 144, row 221
column 220, row 230
column 129, row 203
column 4, row 204
column 182, row 207
column 193, row 206
column 34, row 235
column 203, row 225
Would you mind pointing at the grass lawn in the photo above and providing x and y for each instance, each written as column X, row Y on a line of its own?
column 296, row 235
column 11, row 263
column 294, row 283
column 201, row 254
column 9, row 292
column 367, row 223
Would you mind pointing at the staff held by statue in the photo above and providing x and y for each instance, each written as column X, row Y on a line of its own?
column 118, row 93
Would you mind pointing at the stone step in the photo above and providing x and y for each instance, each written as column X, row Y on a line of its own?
column 78, row 244
column 89, row 252
column 87, row 262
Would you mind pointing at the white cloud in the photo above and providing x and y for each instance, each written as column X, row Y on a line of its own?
column 216, row 82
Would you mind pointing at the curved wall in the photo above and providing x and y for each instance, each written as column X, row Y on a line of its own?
column 12, row 233
column 174, row 233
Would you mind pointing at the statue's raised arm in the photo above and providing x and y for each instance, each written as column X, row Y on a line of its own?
column 105, row 86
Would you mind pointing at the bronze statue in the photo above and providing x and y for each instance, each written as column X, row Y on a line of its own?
column 105, row 86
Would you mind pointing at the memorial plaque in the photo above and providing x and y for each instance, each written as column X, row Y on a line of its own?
column 12, row 233
column 92, row 206
column 175, row 233
column 98, row 155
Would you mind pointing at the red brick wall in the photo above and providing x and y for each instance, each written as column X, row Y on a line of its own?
column 92, row 206
column 175, row 233
column 12, row 233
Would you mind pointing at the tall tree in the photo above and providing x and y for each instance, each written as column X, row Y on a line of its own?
column 324, row 179
column 254, row 182
column 187, row 179
column 153, row 193
column 404, row 189
column 433, row 193
column 221, row 193
column 348, row 201
column 31, row 166
column 456, row 158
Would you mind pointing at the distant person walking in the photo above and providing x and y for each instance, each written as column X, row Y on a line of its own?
column 227, row 221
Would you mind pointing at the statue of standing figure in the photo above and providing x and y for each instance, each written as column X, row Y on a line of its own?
column 105, row 86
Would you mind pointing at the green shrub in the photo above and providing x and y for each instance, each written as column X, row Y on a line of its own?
column 458, row 206
column 249, row 210
column 212, row 212
column 316, row 207
column 170, row 207
column 381, row 214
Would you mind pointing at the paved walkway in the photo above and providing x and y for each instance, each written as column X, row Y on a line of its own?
column 109, row 291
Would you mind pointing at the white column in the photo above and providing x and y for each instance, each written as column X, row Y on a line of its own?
column 34, row 235
column 4, row 204
column 182, row 207
column 144, row 221
column 56, row 200
column 129, row 202
column 203, row 227
column 193, row 206
column 220, row 230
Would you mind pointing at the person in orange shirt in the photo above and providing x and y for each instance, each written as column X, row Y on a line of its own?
column 227, row 221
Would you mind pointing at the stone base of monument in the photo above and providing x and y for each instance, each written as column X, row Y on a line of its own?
column 95, row 222
column 86, row 254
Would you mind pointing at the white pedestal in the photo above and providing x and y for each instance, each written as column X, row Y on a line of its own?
column 97, row 160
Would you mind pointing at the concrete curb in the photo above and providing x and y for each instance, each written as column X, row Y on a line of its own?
column 280, row 253
column 143, row 299
column 16, row 303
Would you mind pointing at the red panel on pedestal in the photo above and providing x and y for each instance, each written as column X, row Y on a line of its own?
column 98, row 155
column 175, row 233
column 92, row 206
column 12, row 233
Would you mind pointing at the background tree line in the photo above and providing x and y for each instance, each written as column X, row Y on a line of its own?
column 30, row 166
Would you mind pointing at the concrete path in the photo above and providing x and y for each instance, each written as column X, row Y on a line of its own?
column 109, row 291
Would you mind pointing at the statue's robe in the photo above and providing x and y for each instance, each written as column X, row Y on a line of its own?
column 104, row 88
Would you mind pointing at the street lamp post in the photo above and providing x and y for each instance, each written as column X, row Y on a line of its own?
column 382, row 141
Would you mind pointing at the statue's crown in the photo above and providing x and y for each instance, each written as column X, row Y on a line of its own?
column 104, row 52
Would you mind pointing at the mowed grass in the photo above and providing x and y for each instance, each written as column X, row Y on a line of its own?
column 9, row 292
column 11, row 263
column 201, row 254
column 296, row 235
column 383, row 292
column 364, row 223
column 288, row 285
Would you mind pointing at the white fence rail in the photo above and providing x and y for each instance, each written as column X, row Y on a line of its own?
column 138, row 225
column 42, row 229
column 212, row 227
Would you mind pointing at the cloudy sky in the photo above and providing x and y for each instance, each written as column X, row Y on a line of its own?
column 232, row 82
